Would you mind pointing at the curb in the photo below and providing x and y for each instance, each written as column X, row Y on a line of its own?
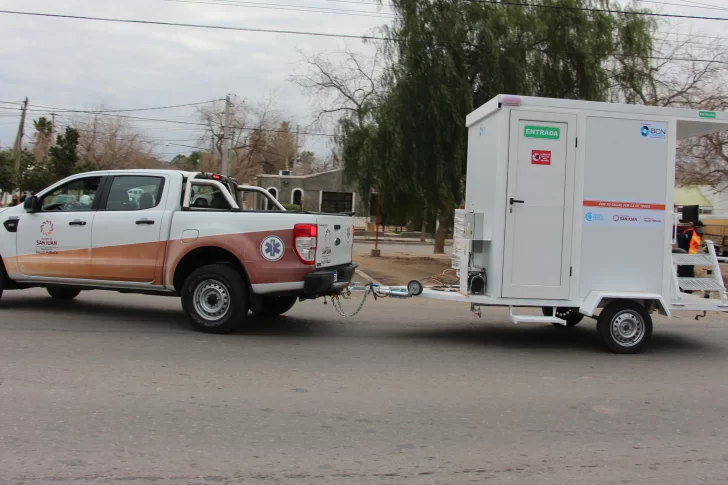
column 366, row 276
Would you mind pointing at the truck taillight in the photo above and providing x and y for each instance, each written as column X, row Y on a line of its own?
column 304, row 242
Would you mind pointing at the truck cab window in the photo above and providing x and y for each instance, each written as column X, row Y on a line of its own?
column 208, row 197
column 76, row 195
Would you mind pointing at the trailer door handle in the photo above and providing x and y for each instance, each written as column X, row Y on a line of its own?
column 516, row 201
column 144, row 221
column 77, row 223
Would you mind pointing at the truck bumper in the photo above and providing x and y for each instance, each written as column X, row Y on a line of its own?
column 328, row 280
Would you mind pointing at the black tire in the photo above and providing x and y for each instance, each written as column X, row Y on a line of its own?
column 632, row 335
column 62, row 293
column 273, row 306
column 571, row 315
column 222, row 299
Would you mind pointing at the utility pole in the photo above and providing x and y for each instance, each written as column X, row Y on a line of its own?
column 18, row 147
column 295, row 154
column 53, row 129
column 225, row 169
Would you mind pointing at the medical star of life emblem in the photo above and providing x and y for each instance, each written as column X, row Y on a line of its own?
column 272, row 248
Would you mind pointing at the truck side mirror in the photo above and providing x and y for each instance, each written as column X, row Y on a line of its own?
column 31, row 204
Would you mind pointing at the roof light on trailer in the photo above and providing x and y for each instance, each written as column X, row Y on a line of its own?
column 216, row 176
column 510, row 100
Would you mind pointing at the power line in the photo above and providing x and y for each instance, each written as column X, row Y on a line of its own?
column 598, row 10
column 139, row 118
column 288, row 7
column 314, row 34
column 100, row 111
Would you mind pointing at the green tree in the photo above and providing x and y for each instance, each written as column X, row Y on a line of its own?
column 189, row 162
column 64, row 156
column 43, row 137
column 7, row 171
column 447, row 57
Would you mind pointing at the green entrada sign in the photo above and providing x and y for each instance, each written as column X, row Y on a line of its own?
column 707, row 114
column 542, row 132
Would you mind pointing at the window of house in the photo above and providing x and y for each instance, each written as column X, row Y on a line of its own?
column 337, row 202
column 297, row 197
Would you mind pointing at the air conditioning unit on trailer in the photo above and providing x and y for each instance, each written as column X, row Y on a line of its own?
column 284, row 172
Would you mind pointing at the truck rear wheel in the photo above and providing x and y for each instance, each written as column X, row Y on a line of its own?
column 273, row 306
column 624, row 327
column 215, row 299
column 62, row 293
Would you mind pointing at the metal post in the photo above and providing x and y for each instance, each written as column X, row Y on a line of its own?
column 224, row 168
column 376, row 251
column 18, row 146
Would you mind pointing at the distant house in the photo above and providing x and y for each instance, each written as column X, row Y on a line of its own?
column 709, row 201
column 323, row 192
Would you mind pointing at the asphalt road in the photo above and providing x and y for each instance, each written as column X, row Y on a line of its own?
column 117, row 389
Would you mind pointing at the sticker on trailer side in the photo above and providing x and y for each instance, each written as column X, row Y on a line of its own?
column 545, row 132
column 616, row 213
column 653, row 130
column 540, row 157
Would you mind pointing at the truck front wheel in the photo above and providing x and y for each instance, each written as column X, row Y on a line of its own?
column 624, row 327
column 273, row 306
column 215, row 299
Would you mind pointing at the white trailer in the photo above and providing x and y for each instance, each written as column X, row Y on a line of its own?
column 569, row 207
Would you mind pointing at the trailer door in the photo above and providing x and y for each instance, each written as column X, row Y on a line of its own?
column 539, row 205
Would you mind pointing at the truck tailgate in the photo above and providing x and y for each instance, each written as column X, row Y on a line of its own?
column 335, row 240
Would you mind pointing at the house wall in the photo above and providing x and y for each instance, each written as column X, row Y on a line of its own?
column 313, row 186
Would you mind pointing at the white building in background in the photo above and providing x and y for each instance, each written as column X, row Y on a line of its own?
column 710, row 201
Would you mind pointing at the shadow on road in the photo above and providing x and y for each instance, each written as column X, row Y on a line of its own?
column 549, row 338
column 92, row 315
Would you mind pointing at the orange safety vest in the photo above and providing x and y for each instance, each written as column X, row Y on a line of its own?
column 695, row 243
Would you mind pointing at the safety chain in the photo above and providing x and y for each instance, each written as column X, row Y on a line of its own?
column 336, row 302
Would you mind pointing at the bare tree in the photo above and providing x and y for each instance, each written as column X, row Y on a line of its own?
column 261, row 142
column 688, row 74
column 108, row 142
column 345, row 85
column 42, row 139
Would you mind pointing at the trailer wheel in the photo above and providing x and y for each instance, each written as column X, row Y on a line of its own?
column 571, row 315
column 273, row 306
column 215, row 299
column 624, row 327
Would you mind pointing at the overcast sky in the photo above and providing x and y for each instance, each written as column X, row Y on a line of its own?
column 77, row 64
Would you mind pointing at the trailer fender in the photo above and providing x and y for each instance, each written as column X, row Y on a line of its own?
column 600, row 299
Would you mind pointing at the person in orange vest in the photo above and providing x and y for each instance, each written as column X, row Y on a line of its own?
column 690, row 241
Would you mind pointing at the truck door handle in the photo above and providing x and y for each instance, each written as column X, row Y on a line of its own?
column 77, row 223
column 516, row 201
column 144, row 221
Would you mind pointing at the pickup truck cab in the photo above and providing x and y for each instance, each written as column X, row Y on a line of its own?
column 178, row 234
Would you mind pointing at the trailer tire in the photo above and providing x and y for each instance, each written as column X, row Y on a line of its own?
column 215, row 299
column 62, row 293
column 273, row 306
column 571, row 315
column 624, row 327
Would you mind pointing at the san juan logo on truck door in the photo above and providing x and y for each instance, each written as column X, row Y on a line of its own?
column 272, row 248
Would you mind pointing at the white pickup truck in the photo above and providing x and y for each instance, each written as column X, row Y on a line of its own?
column 174, row 233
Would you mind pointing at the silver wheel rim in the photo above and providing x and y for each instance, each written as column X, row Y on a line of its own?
column 413, row 287
column 211, row 300
column 628, row 328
